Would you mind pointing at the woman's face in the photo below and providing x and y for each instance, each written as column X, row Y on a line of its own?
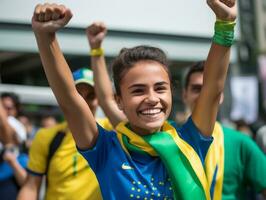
column 146, row 96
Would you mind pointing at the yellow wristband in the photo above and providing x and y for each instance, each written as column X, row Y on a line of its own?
column 97, row 52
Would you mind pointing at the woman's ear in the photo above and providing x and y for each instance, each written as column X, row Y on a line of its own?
column 119, row 102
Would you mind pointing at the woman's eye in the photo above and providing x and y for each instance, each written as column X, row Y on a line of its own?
column 137, row 91
column 160, row 89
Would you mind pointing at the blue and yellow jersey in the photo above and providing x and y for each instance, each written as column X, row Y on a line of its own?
column 138, row 175
column 70, row 177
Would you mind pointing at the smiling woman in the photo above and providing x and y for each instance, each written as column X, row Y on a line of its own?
column 143, row 88
column 145, row 100
column 145, row 156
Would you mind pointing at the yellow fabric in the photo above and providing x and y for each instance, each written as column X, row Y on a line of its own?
column 134, row 138
column 226, row 22
column 105, row 123
column 214, row 157
column 97, row 52
column 119, row 136
column 67, row 180
column 185, row 148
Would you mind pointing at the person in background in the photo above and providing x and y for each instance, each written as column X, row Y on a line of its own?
column 261, row 138
column 243, row 127
column 48, row 121
column 31, row 130
column 11, row 104
column 244, row 164
column 68, row 174
column 12, row 162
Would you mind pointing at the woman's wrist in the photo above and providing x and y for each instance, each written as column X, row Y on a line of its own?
column 224, row 33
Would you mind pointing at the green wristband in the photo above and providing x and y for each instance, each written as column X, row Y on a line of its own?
column 224, row 33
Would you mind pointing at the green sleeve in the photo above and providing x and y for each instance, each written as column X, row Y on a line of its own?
column 254, row 163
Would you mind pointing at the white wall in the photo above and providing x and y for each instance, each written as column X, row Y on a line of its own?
column 186, row 17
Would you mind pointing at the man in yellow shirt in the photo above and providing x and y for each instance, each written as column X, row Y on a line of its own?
column 68, row 174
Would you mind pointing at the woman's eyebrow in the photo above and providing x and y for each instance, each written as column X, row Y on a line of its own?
column 136, row 85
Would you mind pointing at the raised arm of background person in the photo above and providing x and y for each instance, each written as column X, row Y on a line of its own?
column 6, row 131
column 31, row 188
column 46, row 20
column 96, row 33
column 215, row 71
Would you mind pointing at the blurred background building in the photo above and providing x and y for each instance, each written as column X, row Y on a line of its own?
column 184, row 29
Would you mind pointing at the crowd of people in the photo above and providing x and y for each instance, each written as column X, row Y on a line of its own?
column 136, row 152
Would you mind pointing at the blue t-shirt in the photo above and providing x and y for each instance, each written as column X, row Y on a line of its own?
column 137, row 176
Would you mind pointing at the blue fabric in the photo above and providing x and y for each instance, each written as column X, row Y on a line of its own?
column 190, row 133
column 214, row 181
column 6, row 170
column 136, row 176
column 9, row 189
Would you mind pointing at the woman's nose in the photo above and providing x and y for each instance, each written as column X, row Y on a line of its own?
column 152, row 98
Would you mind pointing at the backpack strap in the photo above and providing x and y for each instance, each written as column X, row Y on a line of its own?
column 54, row 145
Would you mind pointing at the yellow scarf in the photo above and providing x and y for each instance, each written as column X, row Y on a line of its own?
column 215, row 158
column 187, row 151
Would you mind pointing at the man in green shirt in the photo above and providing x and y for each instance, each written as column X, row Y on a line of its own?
column 244, row 162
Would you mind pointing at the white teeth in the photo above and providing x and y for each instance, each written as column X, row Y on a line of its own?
column 151, row 111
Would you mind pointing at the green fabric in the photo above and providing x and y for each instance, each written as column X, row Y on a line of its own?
column 245, row 164
column 131, row 147
column 176, row 163
column 224, row 26
column 177, row 156
column 177, row 166
column 224, row 33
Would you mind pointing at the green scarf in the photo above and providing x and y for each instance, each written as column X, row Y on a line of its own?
column 183, row 164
